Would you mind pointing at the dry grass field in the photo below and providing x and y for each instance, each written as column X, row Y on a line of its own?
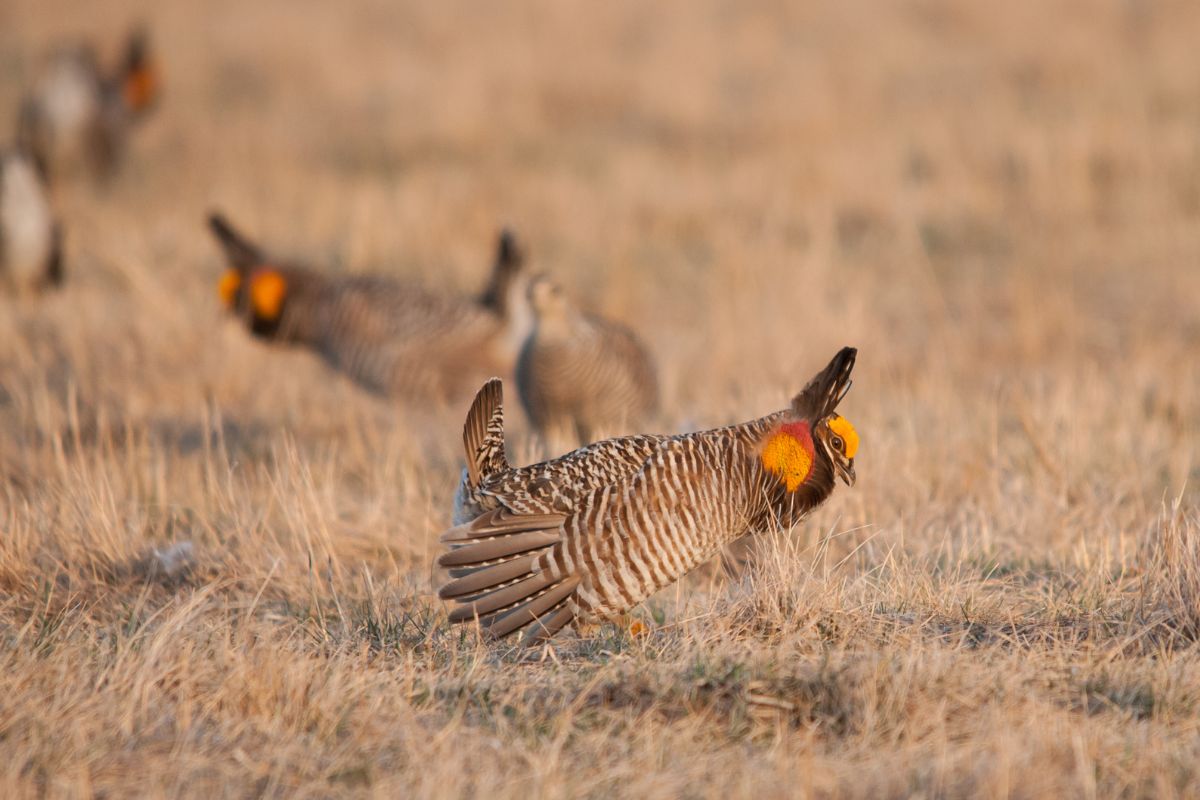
column 214, row 555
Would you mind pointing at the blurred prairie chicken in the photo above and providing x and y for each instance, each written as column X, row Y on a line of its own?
column 390, row 336
column 591, row 534
column 30, row 236
column 76, row 114
column 579, row 374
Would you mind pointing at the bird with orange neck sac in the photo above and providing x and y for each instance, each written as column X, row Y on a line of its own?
column 390, row 336
column 77, row 114
column 587, row 536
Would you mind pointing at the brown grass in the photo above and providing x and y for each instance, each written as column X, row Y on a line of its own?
column 998, row 203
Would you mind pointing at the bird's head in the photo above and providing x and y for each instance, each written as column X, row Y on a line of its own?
column 251, row 287
column 502, row 288
column 547, row 298
column 139, row 77
column 812, row 431
column 839, row 440
column 242, row 256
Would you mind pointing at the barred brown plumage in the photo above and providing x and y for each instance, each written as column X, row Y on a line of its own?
column 30, row 236
column 579, row 374
column 488, row 483
column 591, row 534
column 391, row 336
column 76, row 115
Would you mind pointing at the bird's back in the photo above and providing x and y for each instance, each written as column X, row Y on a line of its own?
column 596, row 377
column 560, row 484
column 396, row 337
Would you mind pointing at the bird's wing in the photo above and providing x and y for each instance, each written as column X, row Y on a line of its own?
column 495, row 575
column 242, row 253
column 622, row 543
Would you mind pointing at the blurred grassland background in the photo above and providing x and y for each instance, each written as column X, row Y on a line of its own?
column 998, row 203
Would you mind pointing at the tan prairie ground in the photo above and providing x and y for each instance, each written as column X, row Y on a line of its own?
column 215, row 557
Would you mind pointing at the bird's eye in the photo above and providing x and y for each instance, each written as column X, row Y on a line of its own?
column 837, row 443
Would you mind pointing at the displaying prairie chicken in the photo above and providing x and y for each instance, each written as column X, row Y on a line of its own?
column 390, row 336
column 30, row 236
column 579, row 374
column 77, row 115
column 591, row 534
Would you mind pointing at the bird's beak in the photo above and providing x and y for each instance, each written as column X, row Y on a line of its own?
column 846, row 472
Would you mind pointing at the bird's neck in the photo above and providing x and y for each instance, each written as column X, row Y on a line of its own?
column 555, row 327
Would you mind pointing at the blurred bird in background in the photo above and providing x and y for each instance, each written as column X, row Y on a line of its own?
column 77, row 115
column 30, row 234
column 580, row 375
column 391, row 336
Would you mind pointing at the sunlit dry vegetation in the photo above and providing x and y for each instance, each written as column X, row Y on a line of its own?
column 214, row 559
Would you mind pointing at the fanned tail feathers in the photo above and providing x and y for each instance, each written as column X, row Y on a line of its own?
column 496, row 577
column 483, row 433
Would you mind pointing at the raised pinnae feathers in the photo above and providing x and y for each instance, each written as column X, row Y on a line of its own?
column 510, row 258
column 509, row 255
column 242, row 254
column 821, row 396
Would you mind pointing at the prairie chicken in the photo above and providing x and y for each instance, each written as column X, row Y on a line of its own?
column 30, row 236
column 76, row 115
column 578, row 374
column 591, row 534
column 390, row 336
